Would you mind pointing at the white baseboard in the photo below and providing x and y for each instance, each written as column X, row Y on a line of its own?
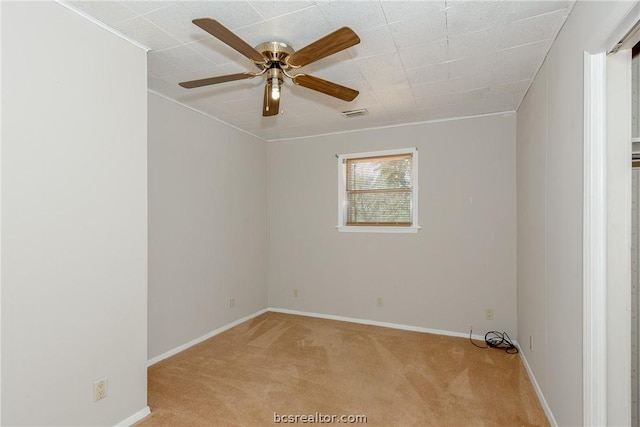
column 213, row 333
column 536, row 387
column 376, row 323
column 135, row 417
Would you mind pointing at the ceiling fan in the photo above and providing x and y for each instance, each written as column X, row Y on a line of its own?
column 277, row 59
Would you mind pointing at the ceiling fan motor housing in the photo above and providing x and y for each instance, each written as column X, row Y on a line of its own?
column 275, row 51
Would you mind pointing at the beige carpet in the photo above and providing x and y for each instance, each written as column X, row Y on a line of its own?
column 294, row 365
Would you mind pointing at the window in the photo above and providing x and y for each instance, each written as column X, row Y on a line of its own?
column 378, row 191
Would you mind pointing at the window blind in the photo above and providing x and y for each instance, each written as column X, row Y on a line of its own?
column 379, row 190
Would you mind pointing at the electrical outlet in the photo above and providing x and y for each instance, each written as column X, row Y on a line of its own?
column 232, row 302
column 295, row 293
column 488, row 314
column 100, row 389
column 531, row 342
column 380, row 301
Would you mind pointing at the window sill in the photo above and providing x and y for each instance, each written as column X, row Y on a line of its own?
column 367, row 229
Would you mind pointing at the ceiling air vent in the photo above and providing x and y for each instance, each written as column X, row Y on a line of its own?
column 354, row 113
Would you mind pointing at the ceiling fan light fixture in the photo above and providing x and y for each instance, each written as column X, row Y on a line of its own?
column 275, row 89
column 275, row 80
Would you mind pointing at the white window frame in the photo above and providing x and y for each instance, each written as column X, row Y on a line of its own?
column 342, row 172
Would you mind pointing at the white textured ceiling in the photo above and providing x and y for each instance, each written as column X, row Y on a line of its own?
column 417, row 60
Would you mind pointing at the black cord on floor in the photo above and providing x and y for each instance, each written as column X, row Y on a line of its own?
column 497, row 340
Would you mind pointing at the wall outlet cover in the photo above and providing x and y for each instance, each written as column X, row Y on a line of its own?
column 99, row 389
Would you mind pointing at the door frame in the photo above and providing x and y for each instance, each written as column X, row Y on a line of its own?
column 606, row 375
column 594, row 256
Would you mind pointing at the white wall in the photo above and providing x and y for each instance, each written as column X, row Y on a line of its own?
column 208, row 225
column 74, row 219
column 532, row 242
column 550, row 189
column 444, row 277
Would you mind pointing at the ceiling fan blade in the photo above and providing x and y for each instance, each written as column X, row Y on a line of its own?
column 225, row 35
column 215, row 80
column 270, row 106
column 326, row 87
column 328, row 45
